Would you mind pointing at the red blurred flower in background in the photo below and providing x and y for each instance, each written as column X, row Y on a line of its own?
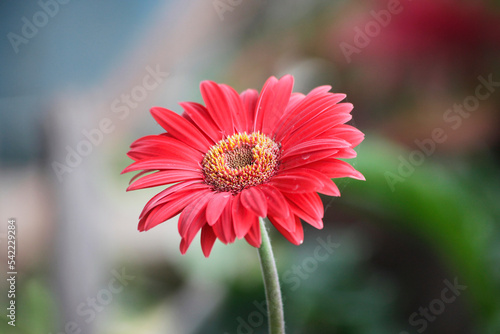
column 245, row 156
column 426, row 38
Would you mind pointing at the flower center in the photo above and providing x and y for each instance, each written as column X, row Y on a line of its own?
column 240, row 161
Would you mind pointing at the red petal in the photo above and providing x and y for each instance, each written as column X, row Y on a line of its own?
column 243, row 218
column 253, row 236
column 227, row 221
column 219, row 232
column 272, row 103
column 146, row 140
column 142, row 222
column 304, row 159
column 238, row 110
column 334, row 168
column 315, row 108
column 249, row 98
column 259, row 113
column 216, row 205
column 297, row 236
column 310, row 203
column 200, row 116
column 142, row 154
column 163, row 178
column 296, row 181
column 287, row 223
column 208, row 238
column 193, row 217
column 183, row 246
column 253, row 199
column 153, row 218
column 196, row 225
column 224, row 227
column 329, row 187
column 168, row 210
column 138, row 175
column 295, row 99
column 218, row 106
column 302, row 106
column 320, row 90
column 162, row 164
column 348, row 133
column 172, row 193
column 298, row 103
column 276, row 202
column 180, row 128
column 160, row 145
column 345, row 153
column 311, row 129
column 315, row 145
column 307, row 206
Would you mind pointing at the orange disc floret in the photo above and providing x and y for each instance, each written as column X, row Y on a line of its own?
column 240, row 161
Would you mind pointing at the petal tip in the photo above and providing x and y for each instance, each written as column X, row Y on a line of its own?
column 155, row 110
column 359, row 176
column 183, row 247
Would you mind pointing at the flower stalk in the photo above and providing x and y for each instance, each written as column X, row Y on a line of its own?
column 271, row 284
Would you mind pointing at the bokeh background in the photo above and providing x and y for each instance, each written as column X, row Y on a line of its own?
column 424, row 77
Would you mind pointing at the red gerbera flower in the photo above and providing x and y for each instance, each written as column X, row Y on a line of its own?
column 245, row 156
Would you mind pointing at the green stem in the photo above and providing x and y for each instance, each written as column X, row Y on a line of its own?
column 271, row 284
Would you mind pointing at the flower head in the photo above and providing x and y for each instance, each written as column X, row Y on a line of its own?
column 240, row 161
column 245, row 156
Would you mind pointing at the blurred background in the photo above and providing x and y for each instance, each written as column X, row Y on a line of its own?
column 414, row 249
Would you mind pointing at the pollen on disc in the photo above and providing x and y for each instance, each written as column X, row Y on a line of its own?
column 240, row 161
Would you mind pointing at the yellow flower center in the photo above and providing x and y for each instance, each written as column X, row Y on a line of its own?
column 241, row 161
